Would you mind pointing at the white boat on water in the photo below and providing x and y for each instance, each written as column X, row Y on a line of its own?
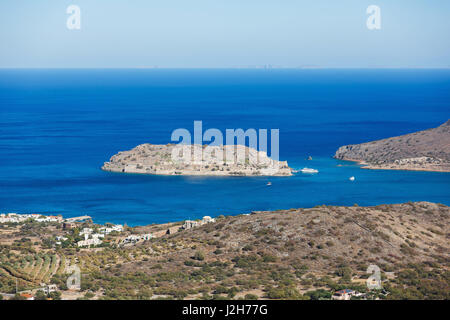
column 269, row 183
column 351, row 178
column 309, row 170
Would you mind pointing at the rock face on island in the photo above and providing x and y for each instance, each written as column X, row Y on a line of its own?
column 197, row 160
column 427, row 150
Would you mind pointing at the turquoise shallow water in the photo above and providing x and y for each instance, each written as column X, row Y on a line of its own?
column 57, row 127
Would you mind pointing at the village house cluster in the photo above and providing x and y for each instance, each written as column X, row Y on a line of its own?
column 92, row 238
column 18, row 218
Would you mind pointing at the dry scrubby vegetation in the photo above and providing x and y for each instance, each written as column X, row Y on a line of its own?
column 286, row 254
column 25, row 259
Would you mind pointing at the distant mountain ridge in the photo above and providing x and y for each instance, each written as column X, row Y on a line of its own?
column 427, row 150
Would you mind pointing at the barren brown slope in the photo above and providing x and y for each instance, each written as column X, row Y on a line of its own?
column 423, row 150
column 282, row 254
column 325, row 236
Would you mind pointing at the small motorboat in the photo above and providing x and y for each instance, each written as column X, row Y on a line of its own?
column 351, row 178
column 309, row 170
column 309, row 158
column 269, row 183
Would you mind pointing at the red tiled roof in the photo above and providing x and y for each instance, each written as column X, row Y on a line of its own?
column 344, row 291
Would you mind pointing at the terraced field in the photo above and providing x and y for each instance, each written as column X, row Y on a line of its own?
column 29, row 271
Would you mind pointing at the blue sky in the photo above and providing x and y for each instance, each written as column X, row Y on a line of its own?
column 224, row 33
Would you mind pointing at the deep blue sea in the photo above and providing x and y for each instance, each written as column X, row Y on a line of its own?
column 57, row 127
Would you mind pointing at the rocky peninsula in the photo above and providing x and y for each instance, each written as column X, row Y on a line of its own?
column 427, row 150
column 171, row 159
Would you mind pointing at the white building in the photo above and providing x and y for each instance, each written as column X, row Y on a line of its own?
column 94, row 241
column 86, row 231
column 59, row 239
column 108, row 230
column 13, row 217
column 189, row 224
column 134, row 238
column 208, row 219
column 89, row 242
column 48, row 219
column 47, row 288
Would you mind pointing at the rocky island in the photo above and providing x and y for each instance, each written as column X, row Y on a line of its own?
column 171, row 159
column 427, row 150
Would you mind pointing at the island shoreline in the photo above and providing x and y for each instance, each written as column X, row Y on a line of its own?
column 364, row 165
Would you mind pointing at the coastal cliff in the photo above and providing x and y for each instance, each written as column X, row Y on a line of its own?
column 211, row 161
column 427, row 150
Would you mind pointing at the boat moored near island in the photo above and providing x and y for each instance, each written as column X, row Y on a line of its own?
column 309, row 170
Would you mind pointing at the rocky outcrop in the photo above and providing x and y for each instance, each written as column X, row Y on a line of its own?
column 427, row 150
column 196, row 160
